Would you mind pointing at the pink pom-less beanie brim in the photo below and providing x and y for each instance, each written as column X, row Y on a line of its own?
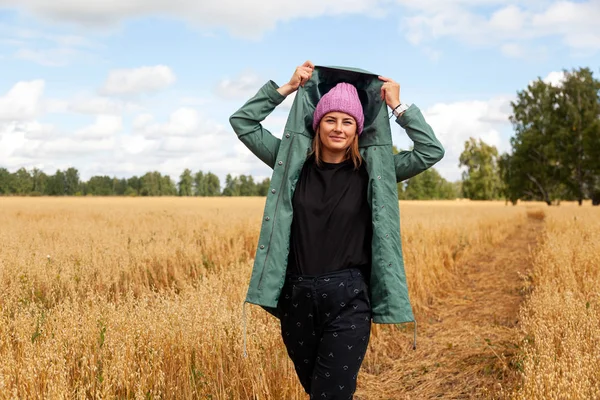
column 343, row 97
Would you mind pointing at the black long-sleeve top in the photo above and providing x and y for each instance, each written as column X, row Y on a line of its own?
column 331, row 226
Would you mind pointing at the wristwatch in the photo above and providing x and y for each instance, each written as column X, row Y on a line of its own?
column 400, row 109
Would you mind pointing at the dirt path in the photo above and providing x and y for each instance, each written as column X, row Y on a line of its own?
column 465, row 348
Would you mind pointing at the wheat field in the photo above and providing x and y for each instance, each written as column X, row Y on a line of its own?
column 142, row 298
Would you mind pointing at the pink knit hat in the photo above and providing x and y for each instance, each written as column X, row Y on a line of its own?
column 343, row 97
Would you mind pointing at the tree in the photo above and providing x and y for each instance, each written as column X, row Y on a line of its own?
column 232, row 186
column 213, row 185
column 99, row 186
column 5, row 181
column 119, row 186
column 56, row 184
column 200, row 188
column 167, row 186
column 133, row 186
column 247, row 186
column 263, row 187
column 22, row 182
column 428, row 185
column 150, row 184
column 557, row 138
column 40, row 180
column 72, row 184
column 579, row 138
column 186, row 183
column 481, row 180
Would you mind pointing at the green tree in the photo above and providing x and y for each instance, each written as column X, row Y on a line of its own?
column 56, row 184
column 5, row 182
column 578, row 140
column 232, row 186
column 186, row 183
column 167, row 186
column 22, row 182
column 40, row 180
column 481, row 180
column 72, row 184
column 150, row 184
column 263, row 187
column 247, row 186
column 213, row 185
column 119, row 186
column 99, row 186
column 200, row 187
column 133, row 186
column 428, row 185
column 556, row 141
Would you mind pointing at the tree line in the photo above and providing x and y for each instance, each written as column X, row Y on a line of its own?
column 555, row 151
column 428, row 185
column 68, row 183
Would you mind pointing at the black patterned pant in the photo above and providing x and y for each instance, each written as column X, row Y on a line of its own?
column 325, row 325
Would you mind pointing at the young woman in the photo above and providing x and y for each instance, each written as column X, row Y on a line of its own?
column 329, row 257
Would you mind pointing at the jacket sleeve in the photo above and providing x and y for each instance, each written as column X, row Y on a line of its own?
column 246, row 122
column 427, row 149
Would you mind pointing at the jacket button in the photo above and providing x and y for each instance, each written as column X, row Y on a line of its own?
column 386, row 235
column 280, row 163
column 262, row 246
column 287, row 135
column 273, row 190
column 379, row 177
column 266, row 219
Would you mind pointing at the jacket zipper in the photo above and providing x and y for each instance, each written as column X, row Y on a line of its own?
column 283, row 181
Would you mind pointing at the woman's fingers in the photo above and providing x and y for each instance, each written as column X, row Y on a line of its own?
column 308, row 64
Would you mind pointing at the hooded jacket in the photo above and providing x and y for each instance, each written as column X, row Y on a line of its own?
column 286, row 156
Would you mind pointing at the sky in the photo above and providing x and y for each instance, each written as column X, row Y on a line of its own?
column 123, row 87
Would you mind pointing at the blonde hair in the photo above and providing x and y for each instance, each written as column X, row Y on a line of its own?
column 351, row 152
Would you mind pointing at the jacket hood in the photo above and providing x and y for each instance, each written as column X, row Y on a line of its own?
column 376, row 129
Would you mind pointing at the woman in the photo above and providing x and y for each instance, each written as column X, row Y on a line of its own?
column 329, row 257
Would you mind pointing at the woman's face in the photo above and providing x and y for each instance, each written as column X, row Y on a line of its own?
column 337, row 131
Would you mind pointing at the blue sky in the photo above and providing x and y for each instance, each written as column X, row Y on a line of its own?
column 122, row 87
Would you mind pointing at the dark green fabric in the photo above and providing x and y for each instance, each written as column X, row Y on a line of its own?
column 389, row 292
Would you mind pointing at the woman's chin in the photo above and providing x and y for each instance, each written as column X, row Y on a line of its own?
column 337, row 147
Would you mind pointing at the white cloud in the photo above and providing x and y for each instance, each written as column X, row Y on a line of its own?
column 454, row 123
column 57, row 57
column 575, row 23
column 23, row 101
column 46, row 48
column 513, row 50
column 184, row 121
column 105, row 127
column 138, row 80
column 100, row 105
column 242, row 18
column 555, row 78
column 242, row 87
column 38, row 131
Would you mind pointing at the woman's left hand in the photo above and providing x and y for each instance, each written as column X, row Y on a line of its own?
column 390, row 92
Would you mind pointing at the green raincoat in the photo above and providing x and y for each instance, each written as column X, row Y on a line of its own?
column 388, row 288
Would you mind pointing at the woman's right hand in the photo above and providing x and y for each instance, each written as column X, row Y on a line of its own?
column 300, row 77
